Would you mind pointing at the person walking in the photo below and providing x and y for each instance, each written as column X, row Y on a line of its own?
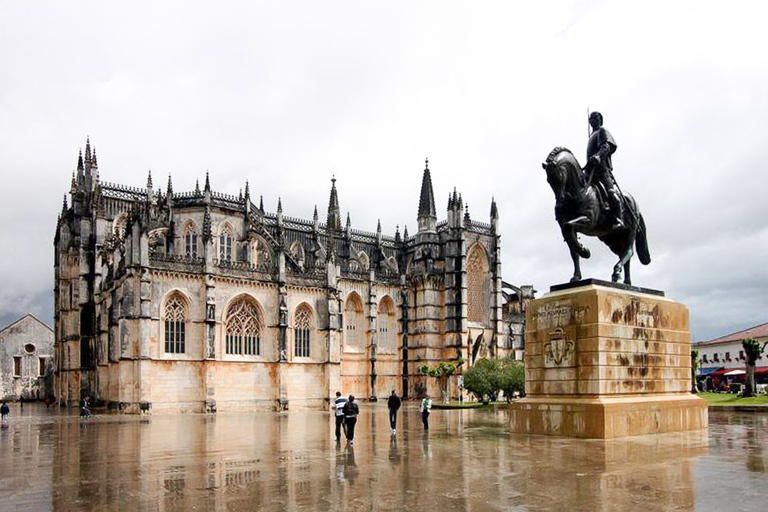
column 4, row 410
column 86, row 411
column 426, row 405
column 351, row 410
column 393, row 404
column 338, row 408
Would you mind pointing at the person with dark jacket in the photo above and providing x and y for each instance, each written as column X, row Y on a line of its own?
column 4, row 410
column 338, row 409
column 393, row 404
column 351, row 410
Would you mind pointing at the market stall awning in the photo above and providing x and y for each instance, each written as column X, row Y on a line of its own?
column 734, row 372
column 709, row 371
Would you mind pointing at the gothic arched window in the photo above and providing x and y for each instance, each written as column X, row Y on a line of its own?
column 175, row 325
column 225, row 245
column 190, row 242
column 302, row 328
column 478, row 285
column 354, row 322
column 243, row 327
column 386, row 325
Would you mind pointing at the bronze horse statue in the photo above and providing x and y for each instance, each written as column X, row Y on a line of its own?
column 579, row 209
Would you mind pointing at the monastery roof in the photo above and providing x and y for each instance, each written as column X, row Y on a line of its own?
column 759, row 331
column 23, row 318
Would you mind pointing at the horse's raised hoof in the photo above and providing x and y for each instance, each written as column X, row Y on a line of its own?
column 584, row 253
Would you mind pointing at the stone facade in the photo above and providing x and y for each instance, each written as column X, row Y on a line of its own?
column 26, row 359
column 200, row 300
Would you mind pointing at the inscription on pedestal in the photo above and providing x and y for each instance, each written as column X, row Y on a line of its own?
column 559, row 315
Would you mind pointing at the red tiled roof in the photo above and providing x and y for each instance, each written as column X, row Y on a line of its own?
column 759, row 331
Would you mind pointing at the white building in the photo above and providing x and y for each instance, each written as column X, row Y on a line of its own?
column 726, row 352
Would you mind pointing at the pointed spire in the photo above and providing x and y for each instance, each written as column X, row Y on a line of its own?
column 80, row 165
column 349, row 222
column 74, row 181
column 494, row 210
column 197, row 187
column 427, row 213
column 467, row 220
column 247, row 191
column 149, row 180
column 240, row 195
column 88, row 152
column 315, row 221
column 334, row 212
column 170, row 186
column 405, row 232
column 207, row 182
column 427, row 197
column 397, row 233
column 261, row 203
column 450, row 201
column 314, row 215
column 378, row 227
column 64, row 206
column 94, row 164
column 279, row 205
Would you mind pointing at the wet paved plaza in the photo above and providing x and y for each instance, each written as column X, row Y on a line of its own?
column 468, row 461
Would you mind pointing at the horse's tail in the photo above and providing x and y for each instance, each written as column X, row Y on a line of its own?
column 641, row 241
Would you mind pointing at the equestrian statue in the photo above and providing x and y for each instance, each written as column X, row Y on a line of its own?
column 589, row 201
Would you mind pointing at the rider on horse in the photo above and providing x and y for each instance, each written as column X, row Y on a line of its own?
column 599, row 150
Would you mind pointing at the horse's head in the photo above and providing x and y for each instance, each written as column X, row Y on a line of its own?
column 563, row 172
column 557, row 175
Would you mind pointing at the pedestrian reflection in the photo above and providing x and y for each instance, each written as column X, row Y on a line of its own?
column 394, row 453
column 426, row 449
column 346, row 469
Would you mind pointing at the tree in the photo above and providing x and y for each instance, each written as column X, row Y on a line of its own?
column 442, row 372
column 694, row 367
column 484, row 379
column 753, row 351
column 512, row 377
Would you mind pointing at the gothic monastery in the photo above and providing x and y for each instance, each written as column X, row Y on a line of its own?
column 203, row 301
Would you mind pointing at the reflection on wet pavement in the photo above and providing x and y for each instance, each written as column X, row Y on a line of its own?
column 468, row 461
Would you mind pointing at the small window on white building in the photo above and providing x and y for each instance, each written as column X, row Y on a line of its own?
column 17, row 366
column 41, row 367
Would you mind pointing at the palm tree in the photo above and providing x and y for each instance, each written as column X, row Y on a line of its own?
column 753, row 351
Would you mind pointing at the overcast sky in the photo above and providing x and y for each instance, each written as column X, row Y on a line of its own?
column 287, row 94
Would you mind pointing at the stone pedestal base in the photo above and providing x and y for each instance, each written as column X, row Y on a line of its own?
column 609, row 417
column 604, row 361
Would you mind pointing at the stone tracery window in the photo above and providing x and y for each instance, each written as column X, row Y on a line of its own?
column 386, row 325
column 302, row 328
column 243, row 328
column 354, row 322
column 175, row 335
column 478, row 285
column 190, row 242
column 225, row 245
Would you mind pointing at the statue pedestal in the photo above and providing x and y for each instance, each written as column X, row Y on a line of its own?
column 605, row 361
